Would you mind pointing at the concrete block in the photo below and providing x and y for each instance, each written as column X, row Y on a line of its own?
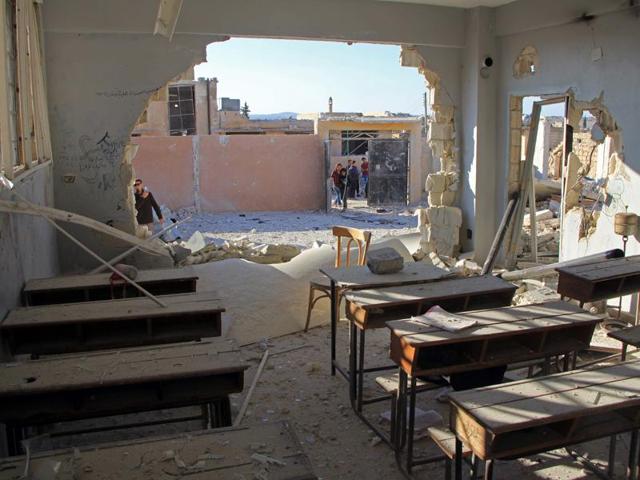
column 436, row 182
column 448, row 198
column 441, row 131
column 444, row 215
column 434, row 199
column 443, row 113
column 384, row 260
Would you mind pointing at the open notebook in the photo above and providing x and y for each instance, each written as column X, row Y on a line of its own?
column 439, row 318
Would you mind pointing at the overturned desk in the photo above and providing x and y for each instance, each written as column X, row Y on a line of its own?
column 85, row 288
column 74, row 387
column 75, row 327
column 518, row 419
column 207, row 455
column 501, row 336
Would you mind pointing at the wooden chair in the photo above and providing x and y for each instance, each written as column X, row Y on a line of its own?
column 345, row 236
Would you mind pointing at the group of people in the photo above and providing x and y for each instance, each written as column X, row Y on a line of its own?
column 350, row 182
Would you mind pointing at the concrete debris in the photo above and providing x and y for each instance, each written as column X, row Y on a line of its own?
column 196, row 242
column 540, row 216
column 467, row 268
column 439, row 227
column 534, row 291
column 385, row 260
column 423, row 419
column 547, row 230
column 244, row 249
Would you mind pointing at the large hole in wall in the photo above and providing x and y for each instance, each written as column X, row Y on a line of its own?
column 578, row 169
column 217, row 114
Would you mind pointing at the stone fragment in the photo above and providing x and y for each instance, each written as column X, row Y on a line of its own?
column 384, row 260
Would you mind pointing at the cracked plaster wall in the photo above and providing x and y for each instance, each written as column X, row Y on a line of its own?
column 97, row 85
column 565, row 62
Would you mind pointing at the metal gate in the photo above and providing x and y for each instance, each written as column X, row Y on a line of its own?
column 388, row 172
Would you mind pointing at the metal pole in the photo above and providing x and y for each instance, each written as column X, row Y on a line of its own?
column 97, row 257
column 135, row 247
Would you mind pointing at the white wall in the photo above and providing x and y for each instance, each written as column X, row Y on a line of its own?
column 565, row 62
column 27, row 243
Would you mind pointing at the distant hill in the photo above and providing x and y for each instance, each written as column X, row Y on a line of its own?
column 272, row 116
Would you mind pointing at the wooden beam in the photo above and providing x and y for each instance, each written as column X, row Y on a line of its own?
column 27, row 208
column 167, row 18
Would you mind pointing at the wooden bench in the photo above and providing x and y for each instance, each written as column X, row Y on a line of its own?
column 531, row 416
column 445, row 439
column 121, row 323
column 74, row 387
column 600, row 280
column 500, row 336
column 223, row 454
column 85, row 288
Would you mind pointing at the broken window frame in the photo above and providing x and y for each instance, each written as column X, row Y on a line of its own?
column 24, row 121
column 182, row 109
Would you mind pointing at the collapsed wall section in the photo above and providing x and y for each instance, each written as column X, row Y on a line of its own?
column 97, row 86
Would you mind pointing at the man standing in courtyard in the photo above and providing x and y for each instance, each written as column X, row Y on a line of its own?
column 353, row 179
column 364, row 177
column 145, row 206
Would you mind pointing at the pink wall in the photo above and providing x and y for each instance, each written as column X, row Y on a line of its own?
column 165, row 166
column 237, row 172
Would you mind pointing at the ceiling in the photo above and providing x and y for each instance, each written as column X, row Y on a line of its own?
column 457, row 3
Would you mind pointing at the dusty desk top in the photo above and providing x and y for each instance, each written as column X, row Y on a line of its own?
column 627, row 335
column 531, row 402
column 604, row 269
column 120, row 367
column 441, row 289
column 120, row 309
column 219, row 454
column 494, row 322
column 361, row 276
column 102, row 279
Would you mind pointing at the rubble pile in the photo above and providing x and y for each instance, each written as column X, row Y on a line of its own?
column 547, row 229
column 243, row 249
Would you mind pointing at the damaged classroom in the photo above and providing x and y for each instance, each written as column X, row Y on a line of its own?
column 472, row 312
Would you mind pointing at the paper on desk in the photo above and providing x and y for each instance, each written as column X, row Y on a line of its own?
column 440, row 318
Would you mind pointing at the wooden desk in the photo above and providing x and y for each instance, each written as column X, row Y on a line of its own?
column 600, row 280
column 74, row 387
column 369, row 309
column 501, row 336
column 523, row 418
column 628, row 336
column 361, row 278
column 373, row 308
column 208, row 455
column 84, row 288
column 76, row 327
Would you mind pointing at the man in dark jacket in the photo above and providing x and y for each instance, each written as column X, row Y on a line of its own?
column 353, row 179
column 145, row 206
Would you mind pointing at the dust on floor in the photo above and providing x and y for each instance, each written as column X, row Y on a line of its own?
column 296, row 386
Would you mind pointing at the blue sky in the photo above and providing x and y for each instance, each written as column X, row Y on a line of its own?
column 299, row 76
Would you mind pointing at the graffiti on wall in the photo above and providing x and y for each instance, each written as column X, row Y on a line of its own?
column 98, row 161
